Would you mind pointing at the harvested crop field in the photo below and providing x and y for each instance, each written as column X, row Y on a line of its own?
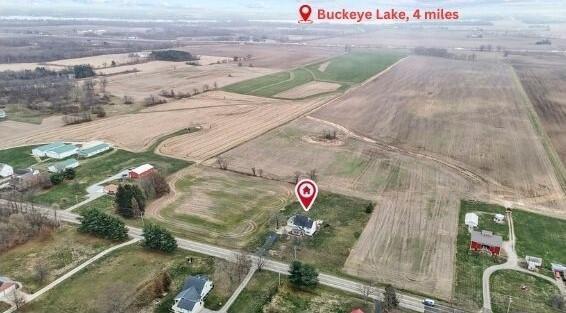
column 308, row 89
column 222, row 207
column 410, row 238
column 266, row 55
column 152, row 77
column 472, row 114
column 230, row 129
column 545, row 83
column 130, row 131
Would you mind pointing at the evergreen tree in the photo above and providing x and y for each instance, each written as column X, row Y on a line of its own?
column 390, row 300
column 309, row 276
column 56, row 178
column 158, row 238
column 70, row 173
column 295, row 273
column 103, row 225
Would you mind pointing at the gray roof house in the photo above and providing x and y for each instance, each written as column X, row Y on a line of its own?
column 302, row 223
column 191, row 298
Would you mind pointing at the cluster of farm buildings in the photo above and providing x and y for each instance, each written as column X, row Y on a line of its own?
column 485, row 241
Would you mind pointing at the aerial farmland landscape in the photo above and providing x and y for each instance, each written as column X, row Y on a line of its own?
column 283, row 157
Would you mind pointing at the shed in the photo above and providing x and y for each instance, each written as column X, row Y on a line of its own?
column 63, row 165
column 471, row 220
column 62, row 152
column 94, row 150
column 6, row 170
column 486, row 241
column 533, row 262
column 142, row 171
column 42, row 150
column 499, row 218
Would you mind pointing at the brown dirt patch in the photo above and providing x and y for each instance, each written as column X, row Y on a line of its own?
column 308, row 89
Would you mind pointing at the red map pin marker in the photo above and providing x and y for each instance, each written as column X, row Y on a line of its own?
column 305, row 12
column 306, row 191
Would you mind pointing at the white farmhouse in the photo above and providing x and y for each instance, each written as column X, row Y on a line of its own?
column 191, row 298
column 303, row 224
column 62, row 152
column 6, row 170
column 7, row 286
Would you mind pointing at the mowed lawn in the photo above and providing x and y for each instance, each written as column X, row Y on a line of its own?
column 59, row 251
column 469, row 265
column 264, row 294
column 354, row 67
column 527, row 293
column 95, row 169
column 346, row 70
column 19, row 157
column 542, row 236
column 344, row 218
column 126, row 277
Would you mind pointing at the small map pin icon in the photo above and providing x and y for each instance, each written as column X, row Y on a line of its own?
column 306, row 191
column 305, row 12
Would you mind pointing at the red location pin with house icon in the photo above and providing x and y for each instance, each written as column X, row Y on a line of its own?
column 306, row 191
column 305, row 12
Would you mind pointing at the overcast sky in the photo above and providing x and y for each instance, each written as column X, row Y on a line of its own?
column 267, row 9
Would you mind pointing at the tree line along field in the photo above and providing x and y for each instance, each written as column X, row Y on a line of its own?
column 344, row 70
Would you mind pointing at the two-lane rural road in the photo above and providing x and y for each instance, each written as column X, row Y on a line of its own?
column 406, row 301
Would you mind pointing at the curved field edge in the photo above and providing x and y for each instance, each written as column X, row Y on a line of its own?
column 345, row 70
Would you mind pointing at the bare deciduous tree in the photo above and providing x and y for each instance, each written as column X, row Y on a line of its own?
column 41, row 271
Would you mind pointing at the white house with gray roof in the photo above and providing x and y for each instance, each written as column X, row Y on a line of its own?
column 303, row 224
column 191, row 298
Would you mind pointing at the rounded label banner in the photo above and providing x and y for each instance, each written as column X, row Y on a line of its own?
column 306, row 191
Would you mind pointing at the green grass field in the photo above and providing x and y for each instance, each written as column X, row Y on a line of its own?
column 61, row 251
column 95, row 169
column 542, row 236
column 470, row 266
column 346, row 70
column 343, row 218
column 263, row 294
column 270, row 85
column 354, row 67
column 19, row 157
column 528, row 293
column 126, row 277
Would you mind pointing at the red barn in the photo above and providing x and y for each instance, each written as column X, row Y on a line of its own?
column 486, row 241
column 142, row 171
